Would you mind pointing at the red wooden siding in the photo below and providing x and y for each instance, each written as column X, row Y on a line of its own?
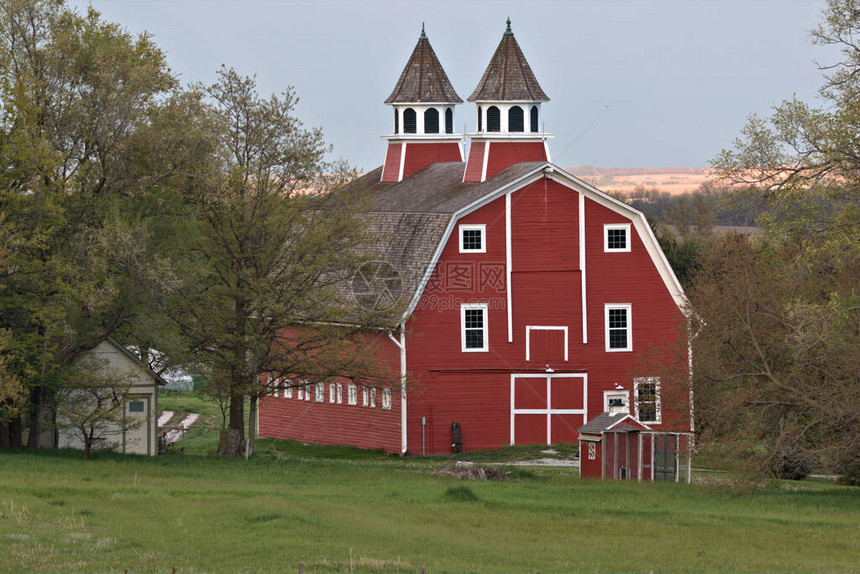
column 391, row 167
column 546, row 346
column 505, row 154
column 475, row 163
column 327, row 423
column 420, row 155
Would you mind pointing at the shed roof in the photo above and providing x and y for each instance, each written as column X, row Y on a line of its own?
column 606, row 422
column 423, row 80
column 508, row 77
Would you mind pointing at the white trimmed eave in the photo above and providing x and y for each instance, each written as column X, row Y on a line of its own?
column 624, row 418
column 558, row 175
column 422, row 137
column 505, row 136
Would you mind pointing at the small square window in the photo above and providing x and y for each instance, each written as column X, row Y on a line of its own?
column 616, row 402
column 386, row 399
column 616, row 237
column 352, row 395
column 472, row 238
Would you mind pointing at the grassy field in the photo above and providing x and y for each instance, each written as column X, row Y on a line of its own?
column 340, row 510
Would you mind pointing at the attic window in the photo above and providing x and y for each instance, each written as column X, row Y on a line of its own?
column 396, row 122
column 515, row 119
column 431, row 121
column 494, row 119
column 472, row 239
column 616, row 237
column 449, row 121
column 410, row 121
column 534, row 119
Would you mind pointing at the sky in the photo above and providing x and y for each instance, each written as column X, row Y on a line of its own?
column 632, row 83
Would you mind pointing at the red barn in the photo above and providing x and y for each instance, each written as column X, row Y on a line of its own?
column 535, row 301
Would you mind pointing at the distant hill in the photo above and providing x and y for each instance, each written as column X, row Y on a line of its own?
column 623, row 180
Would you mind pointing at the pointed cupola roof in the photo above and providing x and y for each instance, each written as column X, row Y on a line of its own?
column 423, row 79
column 508, row 77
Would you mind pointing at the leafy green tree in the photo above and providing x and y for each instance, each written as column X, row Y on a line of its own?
column 778, row 363
column 274, row 250
column 83, row 102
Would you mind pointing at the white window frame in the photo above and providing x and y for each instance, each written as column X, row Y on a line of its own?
column 386, row 399
column 473, row 227
column 486, row 331
column 339, row 390
column 623, row 395
column 301, row 392
column 373, row 397
column 613, row 307
column 288, row 388
column 658, row 407
column 307, row 391
column 331, row 393
column 269, row 379
column 365, row 397
column 616, row 226
column 352, row 395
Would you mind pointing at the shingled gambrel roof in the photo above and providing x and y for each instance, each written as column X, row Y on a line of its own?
column 508, row 77
column 413, row 218
column 423, row 79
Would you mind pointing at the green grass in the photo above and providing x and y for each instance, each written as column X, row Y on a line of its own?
column 339, row 510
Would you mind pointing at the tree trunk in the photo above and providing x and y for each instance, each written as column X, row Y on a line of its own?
column 37, row 416
column 237, row 414
column 16, row 433
column 252, row 424
column 4, row 436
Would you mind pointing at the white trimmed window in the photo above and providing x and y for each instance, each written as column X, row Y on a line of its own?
column 647, row 402
column 473, row 327
column 373, row 397
column 331, row 392
column 288, row 388
column 473, row 238
column 616, row 402
column 301, row 394
column 307, row 391
column 339, row 393
column 616, row 237
column 386, row 399
column 619, row 327
column 365, row 397
column 352, row 395
column 320, row 392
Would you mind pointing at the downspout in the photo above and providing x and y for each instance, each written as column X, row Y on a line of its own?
column 401, row 344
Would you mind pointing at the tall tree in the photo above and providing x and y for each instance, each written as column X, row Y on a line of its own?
column 779, row 362
column 79, row 99
column 275, row 247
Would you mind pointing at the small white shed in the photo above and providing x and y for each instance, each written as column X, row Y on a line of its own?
column 141, row 402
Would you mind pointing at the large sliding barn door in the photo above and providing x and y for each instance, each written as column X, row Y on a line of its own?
column 546, row 409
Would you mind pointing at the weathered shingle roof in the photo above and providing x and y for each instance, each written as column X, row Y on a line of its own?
column 508, row 77
column 423, row 79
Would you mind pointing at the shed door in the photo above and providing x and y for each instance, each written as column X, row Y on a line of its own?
column 547, row 409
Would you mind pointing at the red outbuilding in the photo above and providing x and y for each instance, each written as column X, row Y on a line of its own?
column 534, row 302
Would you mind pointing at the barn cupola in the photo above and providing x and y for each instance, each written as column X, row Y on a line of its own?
column 423, row 116
column 509, row 122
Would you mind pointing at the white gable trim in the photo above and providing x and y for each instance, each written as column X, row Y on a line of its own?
column 577, row 185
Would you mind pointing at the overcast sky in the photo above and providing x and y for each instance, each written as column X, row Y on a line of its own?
column 679, row 77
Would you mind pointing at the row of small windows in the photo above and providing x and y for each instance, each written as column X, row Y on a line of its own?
column 285, row 388
column 516, row 119
column 647, row 407
column 616, row 238
column 431, row 121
